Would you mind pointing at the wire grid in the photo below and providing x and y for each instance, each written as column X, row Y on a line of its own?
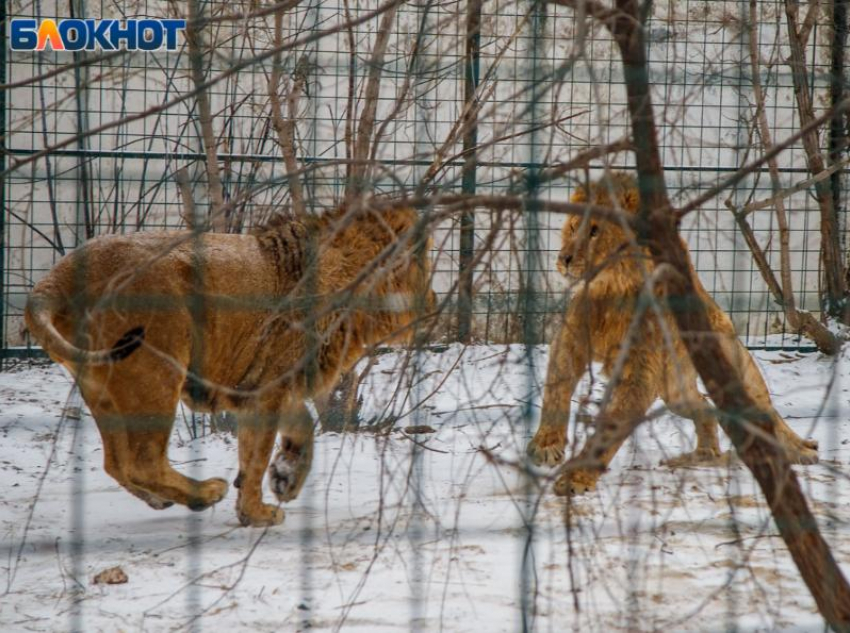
column 121, row 179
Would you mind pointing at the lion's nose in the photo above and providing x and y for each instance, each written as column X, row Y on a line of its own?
column 566, row 259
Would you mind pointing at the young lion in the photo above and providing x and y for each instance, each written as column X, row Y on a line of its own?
column 246, row 323
column 613, row 272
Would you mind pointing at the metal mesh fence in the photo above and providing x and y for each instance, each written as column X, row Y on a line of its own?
column 138, row 128
column 475, row 98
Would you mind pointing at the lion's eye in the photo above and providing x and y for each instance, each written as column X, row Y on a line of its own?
column 594, row 230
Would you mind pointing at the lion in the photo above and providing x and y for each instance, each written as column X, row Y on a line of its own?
column 612, row 271
column 252, row 324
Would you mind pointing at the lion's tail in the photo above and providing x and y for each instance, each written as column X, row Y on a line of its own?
column 39, row 314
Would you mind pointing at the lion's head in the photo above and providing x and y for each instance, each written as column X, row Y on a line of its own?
column 591, row 248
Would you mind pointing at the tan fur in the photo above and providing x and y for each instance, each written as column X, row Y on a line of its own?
column 611, row 272
column 246, row 323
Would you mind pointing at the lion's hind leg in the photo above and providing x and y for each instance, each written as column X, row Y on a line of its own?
column 151, row 470
column 798, row 450
column 135, row 425
column 683, row 398
column 115, row 456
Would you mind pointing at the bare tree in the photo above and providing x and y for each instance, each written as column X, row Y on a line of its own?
column 749, row 429
column 833, row 264
column 197, row 52
column 782, row 289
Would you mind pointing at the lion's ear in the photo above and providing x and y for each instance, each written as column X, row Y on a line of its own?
column 579, row 195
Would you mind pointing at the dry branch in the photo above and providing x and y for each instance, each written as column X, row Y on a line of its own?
column 787, row 298
column 349, row 104
column 194, row 41
column 804, row 322
column 579, row 161
column 783, row 293
column 360, row 169
column 838, row 110
column 181, row 177
column 790, row 191
column 285, row 128
column 830, row 246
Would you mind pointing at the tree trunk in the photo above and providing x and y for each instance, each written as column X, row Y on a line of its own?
column 657, row 229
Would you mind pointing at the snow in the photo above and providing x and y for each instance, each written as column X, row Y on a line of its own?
column 427, row 531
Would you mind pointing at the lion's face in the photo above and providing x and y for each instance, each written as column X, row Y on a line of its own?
column 586, row 245
column 590, row 246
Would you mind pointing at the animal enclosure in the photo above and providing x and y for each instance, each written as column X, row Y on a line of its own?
column 423, row 510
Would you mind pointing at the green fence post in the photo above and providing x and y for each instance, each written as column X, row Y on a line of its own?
column 838, row 136
column 468, row 182
column 3, row 299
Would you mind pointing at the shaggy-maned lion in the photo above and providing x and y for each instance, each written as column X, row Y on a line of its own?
column 612, row 271
column 251, row 324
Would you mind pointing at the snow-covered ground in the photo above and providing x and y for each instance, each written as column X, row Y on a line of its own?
column 396, row 531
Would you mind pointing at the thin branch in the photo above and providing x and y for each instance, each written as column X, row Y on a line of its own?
column 591, row 8
column 181, row 177
column 457, row 203
column 285, row 128
column 195, row 42
column 787, row 297
column 745, row 171
column 360, row 170
column 350, row 100
column 809, row 21
column 801, row 322
column 582, row 160
column 790, row 191
column 833, row 272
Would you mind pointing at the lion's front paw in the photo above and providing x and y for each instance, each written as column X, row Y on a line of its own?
column 260, row 515
column 287, row 474
column 547, row 446
column 576, row 482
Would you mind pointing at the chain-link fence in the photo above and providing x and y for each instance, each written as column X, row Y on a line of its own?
column 94, row 149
